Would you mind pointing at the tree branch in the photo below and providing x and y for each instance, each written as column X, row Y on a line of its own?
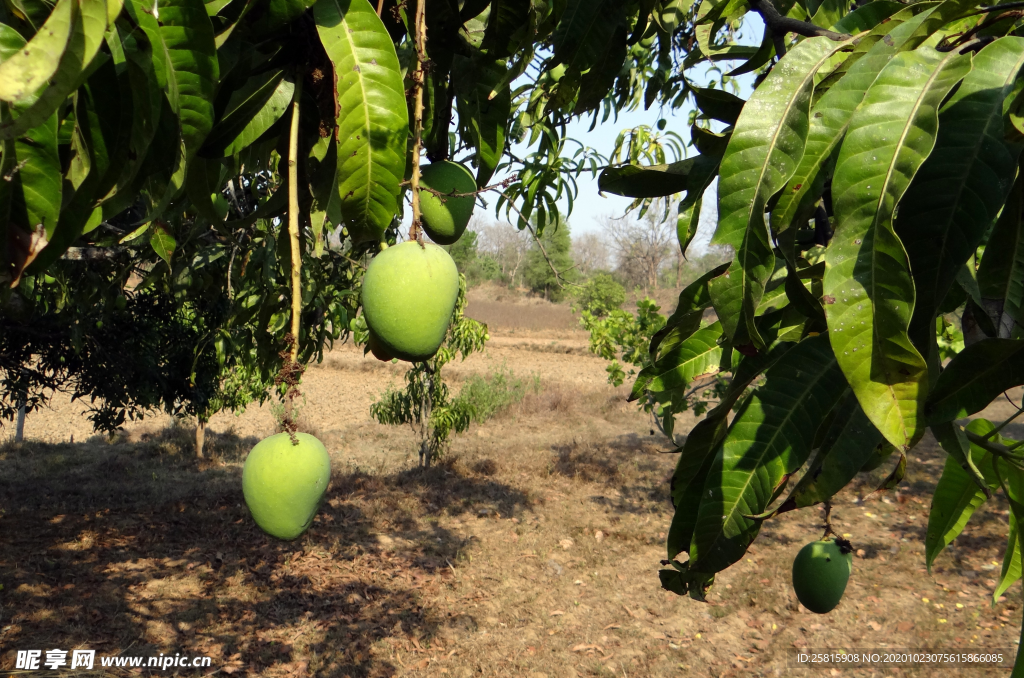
column 780, row 25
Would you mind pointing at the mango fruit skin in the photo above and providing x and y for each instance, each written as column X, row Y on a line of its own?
column 408, row 296
column 284, row 484
column 377, row 349
column 820, row 574
column 445, row 219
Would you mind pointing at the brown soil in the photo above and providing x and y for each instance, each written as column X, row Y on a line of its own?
column 531, row 550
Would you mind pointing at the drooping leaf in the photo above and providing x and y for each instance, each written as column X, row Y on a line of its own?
column 185, row 55
column 373, row 119
column 718, row 104
column 34, row 167
column 162, row 242
column 769, row 439
column 957, row 497
column 82, row 48
column 955, row 197
column 646, row 181
column 250, row 112
column 849, row 442
column 586, row 31
column 762, row 154
column 975, row 377
column 30, row 68
column 1001, row 273
column 698, row 452
column 486, row 118
column 687, row 223
column 869, row 292
column 1010, row 572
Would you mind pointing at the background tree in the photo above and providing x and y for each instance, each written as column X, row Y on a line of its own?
column 508, row 246
column 641, row 248
column 549, row 265
column 590, row 253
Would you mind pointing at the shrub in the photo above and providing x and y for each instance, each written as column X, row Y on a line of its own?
column 490, row 395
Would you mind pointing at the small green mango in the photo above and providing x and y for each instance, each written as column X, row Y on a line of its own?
column 820, row 573
column 408, row 296
column 284, row 483
column 445, row 217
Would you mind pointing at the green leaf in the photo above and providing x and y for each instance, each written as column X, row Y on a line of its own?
column 956, row 497
column 975, row 377
column 1011, row 570
column 696, row 356
column 186, row 64
column 866, row 17
column 1001, row 273
column 486, row 118
column 509, row 25
column 830, row 117
column 769, row 439
column 869, row 293
column 90, row 22
column 687, row 223
column 588, row 29
column 373, row 123
column 35, row 169
column 250, row 112
column 30, row 68
column 955, row 197
column 762, row 154
column 718, row 104
column 849, row 443
column 646, row 181
column 685, row 320
column 698, row 452
column 162, row 241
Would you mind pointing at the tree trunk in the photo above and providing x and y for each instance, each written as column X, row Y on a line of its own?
column 19, row 431
column 200, row 438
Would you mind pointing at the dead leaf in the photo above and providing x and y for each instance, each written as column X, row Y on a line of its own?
column 566, row 544
column 582, row 647
column 555, row 613
column 612, row 626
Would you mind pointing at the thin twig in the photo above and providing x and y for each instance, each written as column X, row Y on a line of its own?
column 293, row 219
column 780, row 25
column 558, row 276
column 380, row 7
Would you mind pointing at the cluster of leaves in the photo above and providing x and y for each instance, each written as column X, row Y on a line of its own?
column 895, row 128
column 426, row 404
column 617, row 335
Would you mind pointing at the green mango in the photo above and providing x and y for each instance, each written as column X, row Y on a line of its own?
column 445, row 218
column 820, row 573
column 284, row 483
column 408, row 296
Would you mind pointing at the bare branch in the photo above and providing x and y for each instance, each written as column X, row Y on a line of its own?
column 780, row 25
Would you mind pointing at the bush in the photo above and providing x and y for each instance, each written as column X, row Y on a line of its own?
column 600, row 295
column 490, row 395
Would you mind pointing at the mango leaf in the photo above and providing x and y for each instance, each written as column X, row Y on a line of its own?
column 866, row 17
column 186, row 64
column 1010, row 572
column 849, row 443
column 869, row 293
column 250, row 112
column 696, row 356
column 90, row 22
column 955, row 197
column 33, row 166
column 957, row 497
column 698, row 452
column 769, row 439
column 598, row 81
column 685, row 320
column 975, row 377
column 31, row 67
column 646, row 181
column 99, row 131
column 484, row 117
column 162, row 242
column 1001, row 273
column 508, row 26
column 373, row 123
column 718, row 104
column 762, row 154
column 687, row 223
column 830, row 116
column 585, row 33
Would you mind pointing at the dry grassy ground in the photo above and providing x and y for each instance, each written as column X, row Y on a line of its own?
column 531, row 550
